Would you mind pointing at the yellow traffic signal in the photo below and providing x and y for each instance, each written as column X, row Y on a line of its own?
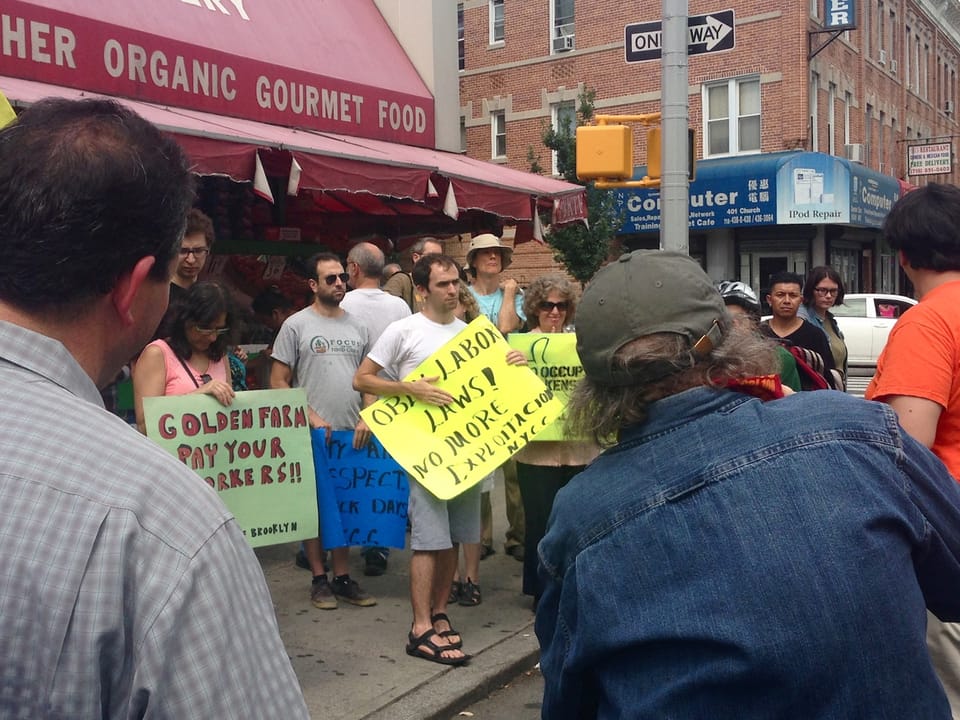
column 604, row 151
column 653, row 153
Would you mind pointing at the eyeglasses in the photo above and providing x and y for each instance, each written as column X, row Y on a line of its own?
column 211, row 331
column 826, row 291
column 547, row 306
column 331, row 279
column 196, row 252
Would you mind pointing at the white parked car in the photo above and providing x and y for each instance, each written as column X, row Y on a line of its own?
column 865, row 319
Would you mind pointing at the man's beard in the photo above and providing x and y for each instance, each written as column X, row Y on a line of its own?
column 329, row 300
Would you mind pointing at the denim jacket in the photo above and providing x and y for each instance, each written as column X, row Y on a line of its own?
column 737, row 559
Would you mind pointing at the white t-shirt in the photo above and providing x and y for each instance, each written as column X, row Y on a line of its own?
column 375, row 308
column 407, row 343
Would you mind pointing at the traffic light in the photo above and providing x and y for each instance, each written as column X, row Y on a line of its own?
column 604, row 151
column 653, row 153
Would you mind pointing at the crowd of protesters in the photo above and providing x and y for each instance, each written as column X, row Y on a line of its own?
column 707, row 539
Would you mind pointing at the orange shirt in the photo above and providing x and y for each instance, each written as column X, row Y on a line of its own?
column 922, row 360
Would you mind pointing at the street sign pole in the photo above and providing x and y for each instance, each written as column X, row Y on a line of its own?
column 675, row 113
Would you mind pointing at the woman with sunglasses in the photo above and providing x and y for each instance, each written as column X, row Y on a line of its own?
column 193, row 358
column 543, row 467
column 822, row 290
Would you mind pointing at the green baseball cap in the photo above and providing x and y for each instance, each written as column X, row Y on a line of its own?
column 643, row 293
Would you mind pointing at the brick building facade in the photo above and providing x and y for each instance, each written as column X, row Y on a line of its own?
column 848, row 113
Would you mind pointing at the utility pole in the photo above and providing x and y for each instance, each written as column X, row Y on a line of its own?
column 674, row 185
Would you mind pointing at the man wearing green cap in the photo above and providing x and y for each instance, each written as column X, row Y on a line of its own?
column 722, row 559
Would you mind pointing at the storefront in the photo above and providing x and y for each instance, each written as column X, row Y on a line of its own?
column 316, row 106
column 753, row 215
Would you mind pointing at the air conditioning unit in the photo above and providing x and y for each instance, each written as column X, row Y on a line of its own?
column 854, row 152
column 893, row 67
column 883, row 57
column 948, row 107
column 564, row 43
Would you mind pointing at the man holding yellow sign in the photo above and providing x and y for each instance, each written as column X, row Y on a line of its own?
column 436, row 524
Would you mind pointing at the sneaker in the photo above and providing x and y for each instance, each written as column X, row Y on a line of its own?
column 321, row 595
column 348, row 590
column 376, row 562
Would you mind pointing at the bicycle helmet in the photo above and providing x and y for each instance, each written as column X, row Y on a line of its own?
column 734, row 292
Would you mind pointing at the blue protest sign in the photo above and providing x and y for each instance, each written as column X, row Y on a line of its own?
column 362, row 494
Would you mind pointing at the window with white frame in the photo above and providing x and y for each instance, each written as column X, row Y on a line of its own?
column 496, row 21
column 563, row 28
column 498, row 134
column 564, row 122
column 732, row 116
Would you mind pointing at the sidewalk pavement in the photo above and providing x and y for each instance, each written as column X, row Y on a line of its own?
column 351, row 662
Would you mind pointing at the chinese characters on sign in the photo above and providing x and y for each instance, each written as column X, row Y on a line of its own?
column 929, row 159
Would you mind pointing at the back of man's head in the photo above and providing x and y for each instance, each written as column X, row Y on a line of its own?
column 87, row 189
column 925, row 226
column 369, row 259
column 650, row 325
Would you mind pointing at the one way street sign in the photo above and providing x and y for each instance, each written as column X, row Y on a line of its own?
column 712, row 32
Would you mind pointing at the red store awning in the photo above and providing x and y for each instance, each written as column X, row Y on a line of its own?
column 328, row 65
column 334, row 163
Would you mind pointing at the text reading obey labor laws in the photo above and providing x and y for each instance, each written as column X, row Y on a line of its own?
column 496, row 409
column 255, row 453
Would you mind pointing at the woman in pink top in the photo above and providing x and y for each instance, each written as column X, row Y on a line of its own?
column 194, row 358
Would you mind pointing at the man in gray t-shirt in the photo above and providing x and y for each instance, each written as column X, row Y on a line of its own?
column 319, row 349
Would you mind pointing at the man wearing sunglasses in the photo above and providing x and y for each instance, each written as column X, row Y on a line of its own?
column 319, row 349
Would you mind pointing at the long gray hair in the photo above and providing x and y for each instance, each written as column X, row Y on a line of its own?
column 601, row 411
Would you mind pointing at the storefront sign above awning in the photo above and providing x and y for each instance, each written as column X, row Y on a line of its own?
column 334, row 163
column 319, row 66
column 788, row 188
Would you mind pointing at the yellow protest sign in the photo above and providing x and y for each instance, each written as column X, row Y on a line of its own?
column 7, row 115
column 553, row 357
column 497, row 409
